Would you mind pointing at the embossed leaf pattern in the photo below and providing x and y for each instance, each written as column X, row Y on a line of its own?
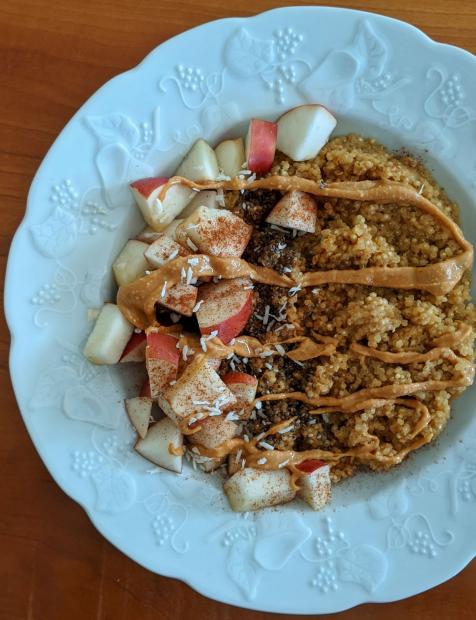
column 363, row 564
column 372, row 49
column 112, row 162
column 115, row 489
column 378, row 508
column 50, row 387
column 80, row 403
column 155, row 503
column 56, row 236
column 246, row 55
column 279, row 535
column 398, row 502
column 114, row 128
column 396, row 537
column 242, row 569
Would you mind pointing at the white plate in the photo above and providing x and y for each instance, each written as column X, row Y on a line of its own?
column 385, row 537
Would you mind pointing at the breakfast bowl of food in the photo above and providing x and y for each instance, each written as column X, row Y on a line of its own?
column 250, row 339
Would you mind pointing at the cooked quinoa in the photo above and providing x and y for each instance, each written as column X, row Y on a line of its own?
column 352, row 235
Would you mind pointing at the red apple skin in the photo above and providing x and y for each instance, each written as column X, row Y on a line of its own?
column 146, row 186
column 239, row 377
column 134, row 351
column 310, row 465
column 162, row 347
column 145, row 389
column 232, row 327
column 261, row 145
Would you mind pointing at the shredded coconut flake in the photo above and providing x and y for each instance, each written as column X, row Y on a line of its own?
column 191, row 245
column 294, row 289
column 281, row 246
column 193, row 261
column 164, row 290
column 283, row 464
column 262, row 461
column 173, row 255
column 196, row 307
column 266, row 445
column 269, row 366
column 280, row 349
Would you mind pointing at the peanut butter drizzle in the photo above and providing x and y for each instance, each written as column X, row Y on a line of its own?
column 452, row 340
column 405, row 357
column 175, row 450
column 137, row 300
column 437, row 279
column 277, row 459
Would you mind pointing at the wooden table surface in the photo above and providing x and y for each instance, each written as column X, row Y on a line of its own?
column 53, row 55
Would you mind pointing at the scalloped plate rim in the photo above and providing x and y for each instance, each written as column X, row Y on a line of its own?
column 9, row 311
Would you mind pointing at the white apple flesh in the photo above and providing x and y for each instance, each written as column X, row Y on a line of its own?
column 157, row 213
column 180, row 298
column 253, row 489
column 295, row 210
column 200, row 163
column 214, row 430
column 231, row 156
column 205, row 198
column 315, row 487
column 131, row 263
column 148, row 235
column 109, row 336
column 260, row 145
column 139, row 410
column 197, row 385
column 216, row 232
column 244, row 388
column 162, row 440
column 304, row 130
column 162, row 250
column 162, row 361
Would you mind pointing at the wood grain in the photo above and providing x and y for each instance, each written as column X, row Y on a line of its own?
column 53, row 55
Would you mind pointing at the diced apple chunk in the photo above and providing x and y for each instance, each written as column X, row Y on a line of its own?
column 244, row 387
column 296, row 210
column 134, row 350
column 315, row 487
column 157, row 213
column 216, row 232
column 139, row 410
column 231, row 156
column 260, row 145
column 214, row 430
column 109, row 336
column 304, row 130
column 162, row 361
column 180, row 298
column 148, row 235
column 226, row 307
column 253, row 489
column 198, row 387
column 162, row 250
column 205, row 198
column 131, row 263
column 160, row 443
column 200, row 163
column 171, row 229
